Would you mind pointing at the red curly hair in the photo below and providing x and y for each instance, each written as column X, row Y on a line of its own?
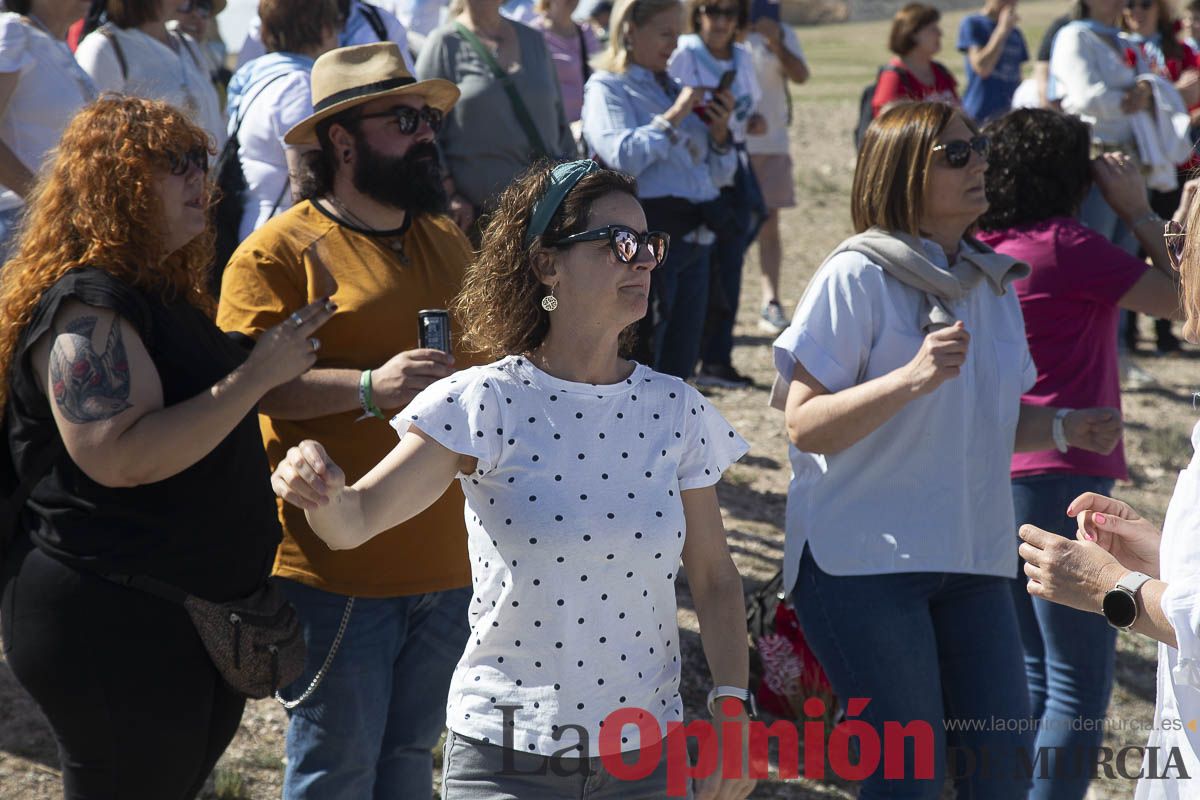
column 95, row 205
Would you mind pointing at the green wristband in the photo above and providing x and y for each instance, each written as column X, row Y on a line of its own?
column 364, row 396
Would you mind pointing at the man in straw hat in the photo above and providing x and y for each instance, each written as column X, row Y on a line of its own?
column 386, row 623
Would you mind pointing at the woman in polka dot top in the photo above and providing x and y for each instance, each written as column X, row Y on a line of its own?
column 587, row 478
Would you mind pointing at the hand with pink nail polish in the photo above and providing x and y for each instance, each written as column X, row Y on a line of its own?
column 1115, row 526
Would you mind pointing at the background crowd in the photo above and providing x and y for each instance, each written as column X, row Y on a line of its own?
column 580, row 188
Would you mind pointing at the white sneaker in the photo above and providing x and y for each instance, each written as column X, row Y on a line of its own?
column 771, row 319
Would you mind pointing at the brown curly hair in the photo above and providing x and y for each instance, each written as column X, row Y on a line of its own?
column 500, row 306
column 94, row 204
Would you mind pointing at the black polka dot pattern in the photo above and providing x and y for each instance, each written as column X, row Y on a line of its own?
column 575, row 528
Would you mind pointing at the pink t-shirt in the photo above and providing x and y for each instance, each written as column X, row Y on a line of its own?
column 568, row 62
column 1070, row 306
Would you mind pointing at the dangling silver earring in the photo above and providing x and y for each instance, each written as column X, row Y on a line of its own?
column 550, row 302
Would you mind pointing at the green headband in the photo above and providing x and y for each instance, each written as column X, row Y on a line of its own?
column 562, row 180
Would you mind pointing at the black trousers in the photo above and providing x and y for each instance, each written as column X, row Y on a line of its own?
column 136, row 705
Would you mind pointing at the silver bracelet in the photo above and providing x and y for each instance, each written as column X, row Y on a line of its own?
column 1149, row 216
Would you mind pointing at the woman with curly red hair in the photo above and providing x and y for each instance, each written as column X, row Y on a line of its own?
column 129, row 408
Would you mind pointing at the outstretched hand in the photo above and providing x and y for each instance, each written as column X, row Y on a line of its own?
column 307, row 477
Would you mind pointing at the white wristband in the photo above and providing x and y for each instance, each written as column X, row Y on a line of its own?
column 1056, row 430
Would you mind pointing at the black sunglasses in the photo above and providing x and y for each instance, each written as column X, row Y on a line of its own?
column 1174, row 237
column 625, row 242
column 178, row 163
column 201, row 7
column 718, row 11
column 958, row 152
column 409, row 118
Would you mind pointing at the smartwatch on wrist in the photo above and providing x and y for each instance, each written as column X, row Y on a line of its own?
column 745, row 695
column 1120, row 602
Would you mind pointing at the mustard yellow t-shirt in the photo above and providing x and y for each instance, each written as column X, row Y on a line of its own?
column 299, row 257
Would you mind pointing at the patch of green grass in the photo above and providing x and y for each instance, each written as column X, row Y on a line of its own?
column 228, row 784
column 844, row 56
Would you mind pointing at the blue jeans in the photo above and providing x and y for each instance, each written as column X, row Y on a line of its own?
column 928, row 646
column 1097, row 214
column 1069, row 654
column 370, row 729
column 678, row 303
column 729, row 254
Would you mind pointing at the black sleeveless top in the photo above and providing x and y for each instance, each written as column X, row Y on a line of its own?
column 211, row 529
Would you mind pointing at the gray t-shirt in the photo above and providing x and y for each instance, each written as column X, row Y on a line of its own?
column 483, row 142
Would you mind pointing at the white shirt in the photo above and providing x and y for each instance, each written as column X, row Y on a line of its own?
column 929, row 490
column 1179, row 668
column 773, row 86
column 575, row 527
column 693, row 65
column 50, row 89
column 1090, row 77
column 156, row 72
column 283, row 103
column 357, row 31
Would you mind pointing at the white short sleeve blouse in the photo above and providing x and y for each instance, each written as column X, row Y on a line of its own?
column 929, row 490
column 575, row 528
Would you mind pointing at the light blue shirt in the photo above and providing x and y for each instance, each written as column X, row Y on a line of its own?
column 618, row 123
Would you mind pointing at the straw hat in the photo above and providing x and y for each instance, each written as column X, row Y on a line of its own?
column 350, row 76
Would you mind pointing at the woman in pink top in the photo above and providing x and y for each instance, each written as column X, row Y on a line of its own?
column 1038, row 174
column 570, row 46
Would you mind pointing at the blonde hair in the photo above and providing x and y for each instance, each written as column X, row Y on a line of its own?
column 1189, row 277
column 627, row 13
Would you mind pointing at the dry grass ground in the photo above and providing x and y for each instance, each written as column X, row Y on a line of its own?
column 843, row 59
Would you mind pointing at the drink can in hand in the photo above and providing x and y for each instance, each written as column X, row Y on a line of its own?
column 434, row 329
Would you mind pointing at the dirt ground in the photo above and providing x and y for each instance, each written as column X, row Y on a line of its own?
column 753, row 493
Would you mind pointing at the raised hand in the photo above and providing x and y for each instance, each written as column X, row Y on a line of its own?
column 940, row 358
column 289, row 349
column 1119, row 529
column 307, row 477
column 406, row 374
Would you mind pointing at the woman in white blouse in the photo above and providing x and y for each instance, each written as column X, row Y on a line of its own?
column 41, row 88
column 905, row 364
column 135, row 53
column 1144, row 580
column 587, row 478
column 1093, row 79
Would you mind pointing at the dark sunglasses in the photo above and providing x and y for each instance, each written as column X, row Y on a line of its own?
column 178, row 163
column 409, row 118
column 958, row 152
column 1174, row 237
column 719, row 11
column 201, row 7
column 625, row 242
column 1145, row 5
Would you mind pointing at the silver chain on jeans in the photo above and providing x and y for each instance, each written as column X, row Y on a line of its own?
column 320, row 676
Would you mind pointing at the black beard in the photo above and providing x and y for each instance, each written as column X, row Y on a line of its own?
column 412, row 181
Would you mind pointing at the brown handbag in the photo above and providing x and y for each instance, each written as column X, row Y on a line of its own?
column 254, row 642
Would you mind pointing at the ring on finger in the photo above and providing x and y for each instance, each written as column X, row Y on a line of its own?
column 314, row 343
column 296, row 319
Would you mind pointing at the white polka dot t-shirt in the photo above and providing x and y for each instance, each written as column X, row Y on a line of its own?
column 575, row 528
